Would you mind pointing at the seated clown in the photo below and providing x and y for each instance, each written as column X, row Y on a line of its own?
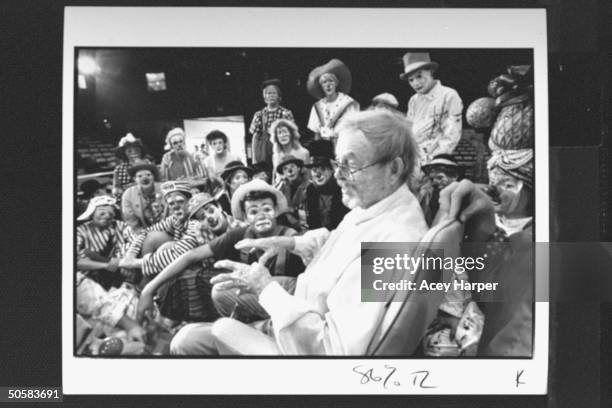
column 187, row 296
column 300, row 193
column 258, row 204
column 102, row 294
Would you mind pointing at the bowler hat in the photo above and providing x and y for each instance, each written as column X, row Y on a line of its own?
column 286, row 160
column 232, row 166
column 321, row 153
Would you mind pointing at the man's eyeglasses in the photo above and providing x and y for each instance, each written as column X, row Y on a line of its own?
column 348, row 171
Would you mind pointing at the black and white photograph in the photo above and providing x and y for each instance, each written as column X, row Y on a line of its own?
column 329, row 201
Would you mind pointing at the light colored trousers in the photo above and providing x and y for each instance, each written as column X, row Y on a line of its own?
column 229, row 336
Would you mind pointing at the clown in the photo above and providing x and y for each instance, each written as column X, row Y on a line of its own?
column 286, row 141
column 221, row 156
column 434, row 110
column 129, row 151
column 330, row 84
column 164, row 235
column 178, row 163
column 101, row 293
column 263, row 119
column 511, row 174
column 187, row 297
column 300, row 193
column 142, row 204
column 330, row 207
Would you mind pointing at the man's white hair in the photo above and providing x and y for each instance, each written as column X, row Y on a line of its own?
column 388, row 132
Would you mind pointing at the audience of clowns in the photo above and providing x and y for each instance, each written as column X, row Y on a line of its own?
column 265, row 259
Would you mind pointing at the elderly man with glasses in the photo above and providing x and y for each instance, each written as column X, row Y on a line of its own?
column 325, row 315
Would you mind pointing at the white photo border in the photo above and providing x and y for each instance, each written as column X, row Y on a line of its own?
column 306, row 27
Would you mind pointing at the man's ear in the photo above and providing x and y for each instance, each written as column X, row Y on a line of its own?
column 397, row 167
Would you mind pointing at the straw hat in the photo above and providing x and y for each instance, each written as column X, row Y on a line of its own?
column 255, row 185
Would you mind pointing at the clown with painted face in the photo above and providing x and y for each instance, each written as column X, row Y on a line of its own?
column 100, row 241
column 299, row 191
column 441, row 171
column 130, row 152
column 286, row 141
column 330, row 84
column 263, row 119
column 178, row 163
column 236, row 174
column 188, row 296
column 258, row 204
column 511, row 174
column 434, row 110
column 152, row 243
column 220, row 154
column 142, row 204
column 330, row 205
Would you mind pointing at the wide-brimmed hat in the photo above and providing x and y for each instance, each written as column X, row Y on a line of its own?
column 198, row 201
column 232, row 166
column 273, row 81
column 255, row 185
column 125, row 142
column 96, row 202
column 334, row 66
column 181, row 186
column 440, row 160
column 321, row 153
column 144, row 165
column 286, row 160
column 413, row 61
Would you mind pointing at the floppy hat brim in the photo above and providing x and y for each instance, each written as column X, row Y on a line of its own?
column 334, row 66
column 256, row 185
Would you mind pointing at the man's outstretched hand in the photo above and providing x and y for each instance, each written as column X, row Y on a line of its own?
column 248, row 278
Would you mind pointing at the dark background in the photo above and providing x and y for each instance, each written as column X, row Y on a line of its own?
column 579, row 101
column 117, row 101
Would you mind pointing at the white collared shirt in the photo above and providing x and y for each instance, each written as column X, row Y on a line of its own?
column 436, row 121
column 326, row 315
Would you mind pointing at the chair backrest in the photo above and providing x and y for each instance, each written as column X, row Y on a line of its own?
column 409, row 313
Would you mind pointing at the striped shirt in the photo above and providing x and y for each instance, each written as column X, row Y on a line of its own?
column 194, row 236
column 180, row 166
column 109, row 242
